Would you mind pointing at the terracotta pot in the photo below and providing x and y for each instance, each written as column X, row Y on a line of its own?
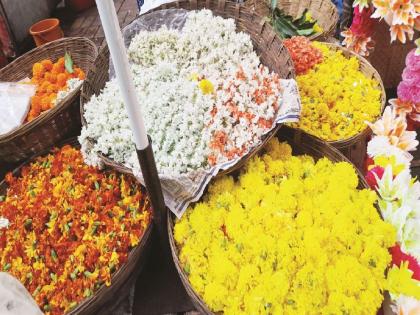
column 46, row 31
column 79, row 5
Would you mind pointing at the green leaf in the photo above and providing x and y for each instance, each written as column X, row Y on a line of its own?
column 54, row 255
column 7, row 267
column 68, row 63
column 96, row 185
column 2, row 198
column 306, row 32
column 302, row 18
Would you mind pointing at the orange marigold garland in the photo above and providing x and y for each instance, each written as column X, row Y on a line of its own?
column 304, row 55
column 50, row 78
column 71, row 226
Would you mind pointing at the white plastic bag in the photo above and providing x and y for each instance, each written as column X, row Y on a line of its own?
column 15, row 100
column 14, row 298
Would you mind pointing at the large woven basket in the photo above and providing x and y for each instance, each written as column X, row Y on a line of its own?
column 267, row 45
column 323, row 11
column 122, row 280
column 57, row 123
column 306, row 145
column 354, row 148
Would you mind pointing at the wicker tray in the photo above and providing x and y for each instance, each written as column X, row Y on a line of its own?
column 268, row 46
column 57, row 123
column 306, row 145
column 354, row 148
column 123, row 279
column 324, row 11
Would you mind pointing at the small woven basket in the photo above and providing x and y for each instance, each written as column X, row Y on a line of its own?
column 354, row 148
column 122, row 280
column 57, row 123
column 323, row 11
column 308, row 146
column 268, row 46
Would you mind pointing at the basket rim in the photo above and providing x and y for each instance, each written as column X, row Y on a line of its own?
column 253, row 150
column 367, row 131
column 196, row 299
column 64, row 103
column 138, row 250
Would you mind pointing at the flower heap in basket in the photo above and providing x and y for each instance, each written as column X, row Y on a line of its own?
column 388, row 165
column 337, row 98
column 67, row 227
column 403, row 17
column 205, row 96
column 287, row 236
column 54, row 81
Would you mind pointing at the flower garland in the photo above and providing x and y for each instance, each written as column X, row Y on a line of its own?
column 68, row 227
column 388, row 172
column 206, row 98
column 408, row 101
column 336, row 97
column 289, row 236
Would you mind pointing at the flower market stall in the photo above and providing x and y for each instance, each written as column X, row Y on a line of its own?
column 215, row 157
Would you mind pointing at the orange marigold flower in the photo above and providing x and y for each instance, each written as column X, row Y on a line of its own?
column 38, row 70
column 47, row 64
column 70, row 227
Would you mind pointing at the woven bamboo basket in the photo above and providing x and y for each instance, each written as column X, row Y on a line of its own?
column 122, row 280
column 57, row 123
column 268, row 46
column 323, row 11
column 306, row 145
column 354, row 148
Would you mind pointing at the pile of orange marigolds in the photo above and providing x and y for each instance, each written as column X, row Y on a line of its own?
column 304, row 55
column 71, row 227
column 50, row 78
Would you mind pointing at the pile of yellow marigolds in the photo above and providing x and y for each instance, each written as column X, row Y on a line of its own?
column 288, row 236
column 337, row 98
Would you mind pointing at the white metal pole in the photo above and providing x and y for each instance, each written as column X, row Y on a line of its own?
column 119, row 57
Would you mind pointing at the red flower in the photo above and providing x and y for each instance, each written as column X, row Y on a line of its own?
column 398, row 257
column 362, row 24
column 372, row 179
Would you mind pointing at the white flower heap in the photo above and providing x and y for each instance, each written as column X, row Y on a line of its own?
column 205, row 97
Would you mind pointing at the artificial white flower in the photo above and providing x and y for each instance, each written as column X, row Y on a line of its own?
column 406, row 305
column 400, row 205
column 380, row 146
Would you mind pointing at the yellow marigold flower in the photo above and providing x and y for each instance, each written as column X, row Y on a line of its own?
column 337, row 99
column 288, row 236
column 206, row 86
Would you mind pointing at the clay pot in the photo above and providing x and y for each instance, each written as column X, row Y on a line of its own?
column 46, row 31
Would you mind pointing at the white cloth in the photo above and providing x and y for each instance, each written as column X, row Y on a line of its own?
column 14, row 298
column 15, row 100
